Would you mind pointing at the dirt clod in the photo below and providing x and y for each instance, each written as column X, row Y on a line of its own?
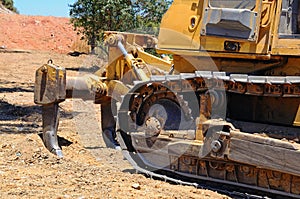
column 136, row 186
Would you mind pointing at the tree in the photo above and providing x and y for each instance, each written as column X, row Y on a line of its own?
column 150, row 12
column 93, row 17
column 9, row 4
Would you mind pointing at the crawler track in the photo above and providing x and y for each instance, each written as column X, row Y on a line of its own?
column 177, row 88
column 233, row 190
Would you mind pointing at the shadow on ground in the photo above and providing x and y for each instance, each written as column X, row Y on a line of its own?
column 13, row 112
column 61, row 141
column 11, row 87
column 14, row 51
column 16, row 89
column 23, row 119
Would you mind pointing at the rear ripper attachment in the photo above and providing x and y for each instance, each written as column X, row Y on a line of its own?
column 49, row 91
column 53, row 87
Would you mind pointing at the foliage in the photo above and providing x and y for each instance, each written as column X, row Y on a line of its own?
column 93, row 17
column 9, row 4
column 149, row 13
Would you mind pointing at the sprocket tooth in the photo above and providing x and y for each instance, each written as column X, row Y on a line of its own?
column 185, row 107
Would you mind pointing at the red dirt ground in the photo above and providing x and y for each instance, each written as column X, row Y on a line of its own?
column 37, row 33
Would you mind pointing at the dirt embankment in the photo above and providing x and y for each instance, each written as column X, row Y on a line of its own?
column 39, row 33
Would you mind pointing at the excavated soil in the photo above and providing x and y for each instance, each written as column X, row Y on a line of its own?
column 88, row 169
column 39, row 33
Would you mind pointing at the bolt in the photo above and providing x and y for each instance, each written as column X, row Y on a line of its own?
column 216, row 146
column 44, row 69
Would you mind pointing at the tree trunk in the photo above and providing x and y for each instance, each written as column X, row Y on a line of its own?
column 93, row 44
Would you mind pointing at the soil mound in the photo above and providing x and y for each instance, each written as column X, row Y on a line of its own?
column 44, row 33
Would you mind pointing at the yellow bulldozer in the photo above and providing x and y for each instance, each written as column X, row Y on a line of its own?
column 220, row 104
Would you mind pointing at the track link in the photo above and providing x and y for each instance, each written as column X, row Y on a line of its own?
column 199, row 82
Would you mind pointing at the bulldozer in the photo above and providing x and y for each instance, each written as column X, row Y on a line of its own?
column 220, row 103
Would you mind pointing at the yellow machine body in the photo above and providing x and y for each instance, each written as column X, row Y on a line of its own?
column 261, row 30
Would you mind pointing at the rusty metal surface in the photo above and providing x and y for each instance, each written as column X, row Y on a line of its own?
column 50, row 84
